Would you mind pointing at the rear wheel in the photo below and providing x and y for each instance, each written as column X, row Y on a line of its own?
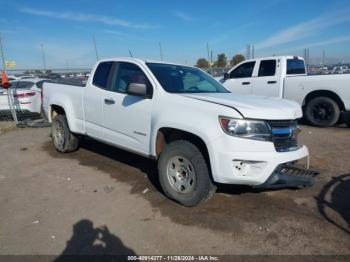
column 184, row 174
column 322, row 112
column 63, row 139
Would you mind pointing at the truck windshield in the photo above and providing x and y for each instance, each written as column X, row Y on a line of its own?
column 184, row 79
column 295, row 67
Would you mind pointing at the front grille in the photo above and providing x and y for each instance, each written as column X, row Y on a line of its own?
column 284, row 134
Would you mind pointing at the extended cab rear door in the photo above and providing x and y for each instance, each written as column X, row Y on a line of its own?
column 93, row 99
column 267, row 81
column 240, row 78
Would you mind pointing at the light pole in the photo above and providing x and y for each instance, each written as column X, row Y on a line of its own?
column 95, row 46
column 10, row 98
column 161, row 51
column 43, row 56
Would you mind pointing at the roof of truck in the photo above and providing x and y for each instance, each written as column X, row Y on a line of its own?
column 139, row 60
column 274, row 57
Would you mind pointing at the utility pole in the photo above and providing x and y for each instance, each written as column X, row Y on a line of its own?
column 208, row 52
column 2, row 56
column 43, row 56
column 307, row 56
column 323, row 57
column 95, row 46
column 248, row 49
column 253, row 52
column 9, row 90
column 210, row 60
column 160, row 51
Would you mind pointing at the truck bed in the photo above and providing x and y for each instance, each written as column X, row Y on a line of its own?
column 69, row 97
column 296, row 87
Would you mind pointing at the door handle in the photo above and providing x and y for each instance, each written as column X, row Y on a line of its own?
column 271, row 82
column 245, row 83
column 109, row 101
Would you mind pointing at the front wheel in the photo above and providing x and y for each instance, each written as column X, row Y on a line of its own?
column 184, row 174
column 63, row 139
column 322, row 112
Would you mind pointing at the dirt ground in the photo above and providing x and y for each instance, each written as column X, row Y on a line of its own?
column 104, row 200
column 6, row 126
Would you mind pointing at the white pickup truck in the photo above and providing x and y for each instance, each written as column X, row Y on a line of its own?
column 198, row 131
column 324, row 98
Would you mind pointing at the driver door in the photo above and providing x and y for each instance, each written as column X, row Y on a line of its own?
column 127, row 118
column 240, row 79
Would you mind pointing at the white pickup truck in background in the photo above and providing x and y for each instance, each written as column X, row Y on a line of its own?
column 324, row 98
column 198, row 131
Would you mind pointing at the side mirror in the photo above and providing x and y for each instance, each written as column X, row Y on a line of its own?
column 136, row 89
column 226, row 76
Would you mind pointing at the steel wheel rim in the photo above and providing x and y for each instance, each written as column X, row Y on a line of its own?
column 181, row 174
column 58, row 134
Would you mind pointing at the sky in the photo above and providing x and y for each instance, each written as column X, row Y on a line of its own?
column 65, row 30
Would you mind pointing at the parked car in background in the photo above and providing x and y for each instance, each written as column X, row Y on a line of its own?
column 323, row 97
column 198, row 131
column 26, row 93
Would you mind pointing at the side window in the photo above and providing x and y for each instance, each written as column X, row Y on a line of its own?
column 24, row 84
column 127, row 73
column 40, row 83
column 244, row 70
column 101, row 74
column 267, row 68
column 295, row 67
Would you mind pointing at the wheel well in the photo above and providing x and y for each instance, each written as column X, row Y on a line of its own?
column 57, row 110
column 325, row 93
column 168, row 135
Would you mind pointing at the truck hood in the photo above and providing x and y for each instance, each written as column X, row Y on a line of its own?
column 255, row 107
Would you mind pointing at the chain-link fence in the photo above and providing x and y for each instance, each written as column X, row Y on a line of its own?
column 11, row 108
column 22, row 101
column 217, row 71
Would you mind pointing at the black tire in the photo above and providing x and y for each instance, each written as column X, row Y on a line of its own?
column 346, row 119
column 63, row 139
column 322, row 112
column 202, row 187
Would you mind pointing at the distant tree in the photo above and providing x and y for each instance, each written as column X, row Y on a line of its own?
column 202, row 63
column 47, row 72
column 237, row 59
column 222, row 60
column 38, row 72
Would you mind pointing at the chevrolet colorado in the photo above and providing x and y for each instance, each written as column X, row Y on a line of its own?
column 198, row 131
column 325, row 98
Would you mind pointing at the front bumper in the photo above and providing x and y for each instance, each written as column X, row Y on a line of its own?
column 287, row 175
column 248, row 162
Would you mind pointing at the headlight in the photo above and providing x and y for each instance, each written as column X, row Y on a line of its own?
column 252, row 129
